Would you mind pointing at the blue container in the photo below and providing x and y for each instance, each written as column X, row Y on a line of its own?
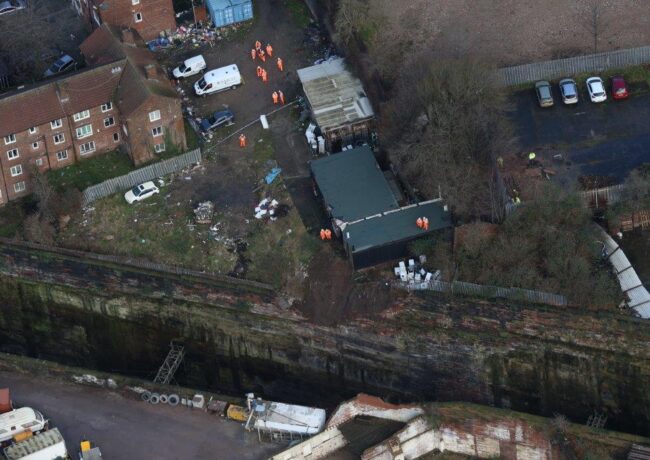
column 226, row 12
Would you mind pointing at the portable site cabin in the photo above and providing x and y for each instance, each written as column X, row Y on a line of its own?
column 365, row 212
column 227, row 12
column 338, row 103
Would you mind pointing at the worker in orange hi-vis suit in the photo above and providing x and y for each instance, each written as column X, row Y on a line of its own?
column 425, row 223
column 281, row 94
column 328, row 234
column 262, row 55
column 269, row 50
column 258, row 45
column 242, row 140
column 275, row 97
column 322, row 234
column 280, row 64
column 419, row 222
column 265, row 77
column 253, row 53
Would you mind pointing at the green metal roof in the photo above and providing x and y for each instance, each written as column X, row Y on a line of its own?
column 352, row 184
column 395, row 226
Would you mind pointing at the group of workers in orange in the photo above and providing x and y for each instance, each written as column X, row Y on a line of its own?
column 259, row 52
column 423, row 223
column 325, row 234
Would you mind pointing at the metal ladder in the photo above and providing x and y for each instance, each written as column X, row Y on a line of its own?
column 169, row 367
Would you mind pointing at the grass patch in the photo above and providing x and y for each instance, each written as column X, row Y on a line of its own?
column 11, row 219
column 263, row 149
column 191, row 136
column 299, row 12
column 90, row 172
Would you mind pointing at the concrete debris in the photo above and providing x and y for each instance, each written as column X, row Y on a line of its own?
column 89, row 380
column 112, row 384
column 204, row 212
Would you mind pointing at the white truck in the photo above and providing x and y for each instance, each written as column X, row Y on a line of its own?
column 48, row 445
column 20, row 420
column 189, row 67
column 216, row 80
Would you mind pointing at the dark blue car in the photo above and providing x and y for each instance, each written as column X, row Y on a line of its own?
column 224, row 117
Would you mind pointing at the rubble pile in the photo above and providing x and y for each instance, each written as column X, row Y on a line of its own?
column 203, row 212
column 269, row 209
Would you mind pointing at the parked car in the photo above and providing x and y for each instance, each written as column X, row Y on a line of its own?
column 569, row 91
column 63, row 64
column 217, row 119
column 9, row 6
column 596, row 89
column 544, row 94
column 619, row 88
column 141, row 192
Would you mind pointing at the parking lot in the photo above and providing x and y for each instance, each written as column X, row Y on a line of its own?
column 607, row 139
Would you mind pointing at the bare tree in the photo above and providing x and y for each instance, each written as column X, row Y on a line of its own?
column 595, row 18
column 351, row 17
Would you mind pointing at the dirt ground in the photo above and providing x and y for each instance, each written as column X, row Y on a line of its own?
column 130, row 429
column 513, row 32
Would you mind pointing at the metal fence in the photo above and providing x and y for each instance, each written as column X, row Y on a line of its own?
column 121, row 183
column 602, row 197
column 516, row 75
column 491, row 292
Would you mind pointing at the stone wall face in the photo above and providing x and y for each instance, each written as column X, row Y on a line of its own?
column 528, row 358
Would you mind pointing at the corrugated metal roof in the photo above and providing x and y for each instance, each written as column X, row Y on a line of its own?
column 352, row 184
column 34, row 444
column 639, row 452
column 637, row 294
column 395, row 225
column 335, row 96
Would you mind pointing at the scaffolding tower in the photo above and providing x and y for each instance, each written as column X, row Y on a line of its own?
column 597, row 420
column 172, row 361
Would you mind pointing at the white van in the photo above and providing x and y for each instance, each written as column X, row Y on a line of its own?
column 189, row 67
column 218, row 80
column 20, row 420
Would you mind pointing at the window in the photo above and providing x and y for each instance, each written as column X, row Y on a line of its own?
column 19, row 187
column 106, row 107
column 39, row 162
column 155, row 115
column 62, row 155
column 56, row 124
column 12, row 154
column 34, row 145
column 16, row 170
column 159, row 148
column 33, row 130
column 81, row 115
column 87, row 148
column 84, row 131
column 11, row 138
column 157, row 131
column 116, row 137
column 108, row 122
column 135, row 2
column 138, row 17
column 59, row 138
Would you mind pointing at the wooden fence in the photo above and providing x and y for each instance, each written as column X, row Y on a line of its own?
column 599, row 198
column 122, row 183
column 517, row 75
column 490, row 292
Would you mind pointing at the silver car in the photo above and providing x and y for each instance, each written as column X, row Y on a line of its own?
column 544, row 94
column 569, row 91
column 9, row 6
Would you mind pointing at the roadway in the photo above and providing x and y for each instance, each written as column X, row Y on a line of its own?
column 126, row 428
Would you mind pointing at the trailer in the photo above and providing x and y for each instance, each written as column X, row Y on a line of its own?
column 48, row 445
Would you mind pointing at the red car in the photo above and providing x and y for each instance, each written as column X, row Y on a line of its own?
column 619, row 88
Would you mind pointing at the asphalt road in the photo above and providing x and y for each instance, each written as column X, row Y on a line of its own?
column 607, row 139
column 129, row 429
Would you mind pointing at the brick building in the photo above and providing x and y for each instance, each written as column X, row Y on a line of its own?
column 148, row 17
column 123, row 100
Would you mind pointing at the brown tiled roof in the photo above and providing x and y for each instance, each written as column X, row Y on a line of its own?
column 23, row 110
column 117, row 74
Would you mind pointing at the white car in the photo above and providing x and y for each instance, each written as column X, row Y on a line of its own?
column 9, row 6
column 596, row 89
column 141, row 192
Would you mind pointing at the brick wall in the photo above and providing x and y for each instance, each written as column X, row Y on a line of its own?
column 148, row 17
column 141, row 139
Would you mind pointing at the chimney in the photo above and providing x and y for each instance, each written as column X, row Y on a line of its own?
column 150, row 72
column 128, row 37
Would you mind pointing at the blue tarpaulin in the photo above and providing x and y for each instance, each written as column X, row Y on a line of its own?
column 275, row 172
